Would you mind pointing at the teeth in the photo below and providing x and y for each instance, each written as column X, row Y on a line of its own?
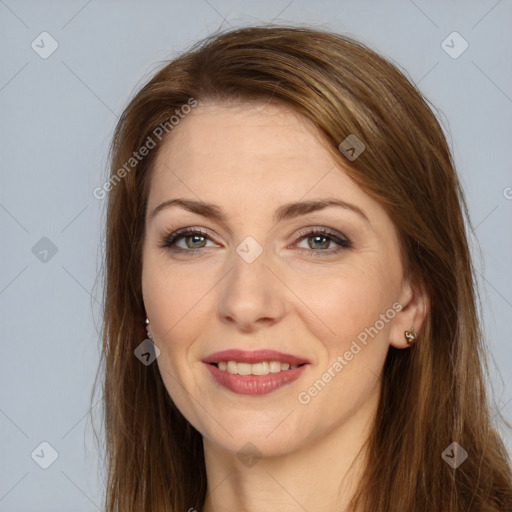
column 259, row 368
column 263, row 368
column 244, row 368
column 274, row 366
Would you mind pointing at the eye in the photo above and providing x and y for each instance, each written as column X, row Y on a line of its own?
column 319, row 240
column 193, row 240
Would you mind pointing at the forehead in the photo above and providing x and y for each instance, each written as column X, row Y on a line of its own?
column 253, row 147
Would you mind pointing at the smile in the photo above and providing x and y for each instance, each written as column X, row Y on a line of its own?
column 254, row 372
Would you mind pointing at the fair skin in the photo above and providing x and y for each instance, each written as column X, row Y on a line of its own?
column 249, row 160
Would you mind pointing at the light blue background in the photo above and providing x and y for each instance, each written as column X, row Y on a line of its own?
column 57, row 117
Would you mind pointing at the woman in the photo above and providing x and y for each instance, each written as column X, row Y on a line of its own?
column 285, row 221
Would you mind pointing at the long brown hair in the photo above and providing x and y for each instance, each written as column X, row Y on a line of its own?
column 432, row 395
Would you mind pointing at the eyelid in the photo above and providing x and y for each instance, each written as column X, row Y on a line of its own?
column 169, row 238
column 311, row 230
column 341, row 240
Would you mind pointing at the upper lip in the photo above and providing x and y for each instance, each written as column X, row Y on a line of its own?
column 253, row 356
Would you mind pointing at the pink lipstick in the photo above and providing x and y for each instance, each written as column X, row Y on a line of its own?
column 254, row 372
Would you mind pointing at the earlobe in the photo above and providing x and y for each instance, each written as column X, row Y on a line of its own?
column 408, row 322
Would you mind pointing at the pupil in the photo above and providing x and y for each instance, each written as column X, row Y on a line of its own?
column 316, row 238
column 195, row 238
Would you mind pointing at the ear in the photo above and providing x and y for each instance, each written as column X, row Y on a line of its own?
column 414, row 308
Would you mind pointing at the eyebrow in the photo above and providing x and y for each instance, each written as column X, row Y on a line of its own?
column 284, row 212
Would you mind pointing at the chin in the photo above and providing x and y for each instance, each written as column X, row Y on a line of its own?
column 259, row 430
column 252, row 442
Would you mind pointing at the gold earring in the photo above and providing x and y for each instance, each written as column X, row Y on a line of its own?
column 410, row 336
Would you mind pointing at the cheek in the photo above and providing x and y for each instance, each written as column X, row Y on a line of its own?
column 172, row 298
column 346, row 301
column 358, row 310
column 173, row 304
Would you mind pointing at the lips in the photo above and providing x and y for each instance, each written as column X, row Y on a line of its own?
column 249, row 382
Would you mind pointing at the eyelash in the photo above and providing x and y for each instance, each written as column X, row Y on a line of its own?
column 169, row 241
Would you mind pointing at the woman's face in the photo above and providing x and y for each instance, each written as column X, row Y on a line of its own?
column 269, row 266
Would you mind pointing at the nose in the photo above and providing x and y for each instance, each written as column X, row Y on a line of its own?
column 251, row 294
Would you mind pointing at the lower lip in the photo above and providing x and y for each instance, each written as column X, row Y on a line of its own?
column 255, row 384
